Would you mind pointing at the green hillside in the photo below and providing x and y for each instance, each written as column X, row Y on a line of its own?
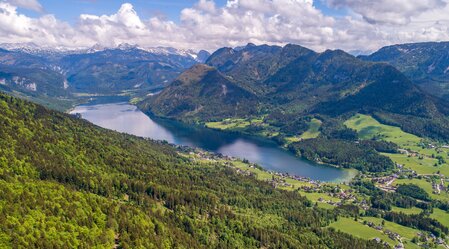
column 285, row 84
column 68, row 184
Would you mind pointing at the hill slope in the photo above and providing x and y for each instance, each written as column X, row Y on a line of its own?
column 427, row 64
column 202, row 92
column 67, row 183
column 300, row 82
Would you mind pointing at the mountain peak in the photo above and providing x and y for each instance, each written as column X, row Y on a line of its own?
column 126, row 46
column 195, row 73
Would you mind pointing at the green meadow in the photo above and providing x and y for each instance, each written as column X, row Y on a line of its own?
column 426, row 185
column 368, row 127
column 314, row 129
column 441, row 216
column 358, row 229
column 413, row 210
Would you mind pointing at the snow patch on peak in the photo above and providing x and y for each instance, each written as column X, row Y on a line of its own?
column 195, row 55
column 126, row 46
column 65, row 84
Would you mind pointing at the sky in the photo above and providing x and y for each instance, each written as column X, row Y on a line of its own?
column 364, row 25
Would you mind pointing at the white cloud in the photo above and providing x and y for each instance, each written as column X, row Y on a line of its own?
column 388, row 11
column 27, row 4
column 207, row 26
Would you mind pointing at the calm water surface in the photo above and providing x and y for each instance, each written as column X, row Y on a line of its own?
column 127, row 118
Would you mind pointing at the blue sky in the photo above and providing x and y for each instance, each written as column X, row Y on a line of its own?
column 211, row 24
column 69, row 10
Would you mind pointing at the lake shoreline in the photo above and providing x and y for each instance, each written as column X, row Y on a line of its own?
column 284, row 147
column 127, row 118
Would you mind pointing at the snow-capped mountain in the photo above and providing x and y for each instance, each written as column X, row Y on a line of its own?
column 199, row 56
column 34, row 49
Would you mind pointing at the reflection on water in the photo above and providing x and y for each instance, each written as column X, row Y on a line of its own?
column 127, row 118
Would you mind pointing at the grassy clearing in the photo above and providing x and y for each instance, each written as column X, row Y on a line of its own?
column 314, row 197
column 413, row 210
column 325, row 205
column 229, row 123
column 312, row 132
column 314, row 129
column 441, row 216
column 368, row 127
column 294, row 139
column 404, row 231
column 260, row 174
column 426, row 185
column 135, row 100
column 355, row 228
column 421, row 166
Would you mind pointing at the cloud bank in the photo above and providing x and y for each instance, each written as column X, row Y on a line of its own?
column 367, row 25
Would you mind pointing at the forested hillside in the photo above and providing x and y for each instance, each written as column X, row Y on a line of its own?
column 425, row 63
column 202, row 92
column 296, row 82
column 65, row 183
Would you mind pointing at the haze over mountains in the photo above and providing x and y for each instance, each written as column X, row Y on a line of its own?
column 56, row 72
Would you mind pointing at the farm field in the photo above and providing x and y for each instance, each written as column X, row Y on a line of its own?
column 441, row 216
column 405, row 232
column 368, row 128
column 425, row 166
column 426, row 185
column 413, row 210
column 356, row 228
column 230, row 123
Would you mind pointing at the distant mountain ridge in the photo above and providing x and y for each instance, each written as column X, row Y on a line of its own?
column 34, row 49
column 55, row 72
column 426, row 64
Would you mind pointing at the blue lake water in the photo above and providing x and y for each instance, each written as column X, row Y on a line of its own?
column 124, row 117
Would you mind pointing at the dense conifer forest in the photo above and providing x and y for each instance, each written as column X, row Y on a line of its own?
column 66, row 183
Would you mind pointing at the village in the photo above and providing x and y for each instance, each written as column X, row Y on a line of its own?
column 331, row 194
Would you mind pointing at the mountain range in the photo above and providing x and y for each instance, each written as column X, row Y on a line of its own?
column 68, row 183
column 53, row 72
column 401, row 84
column 299, row 81
column 426, row 64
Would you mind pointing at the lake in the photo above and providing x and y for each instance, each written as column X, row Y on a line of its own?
column 127, row 118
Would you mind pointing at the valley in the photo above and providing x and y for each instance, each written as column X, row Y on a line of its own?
column 361, row 146
column 224, row 124
column 415, row 159
column 126, row 118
